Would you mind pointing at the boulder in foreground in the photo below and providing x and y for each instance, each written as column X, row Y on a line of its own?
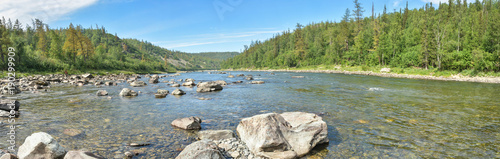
column 287, row 135
column 41, row 145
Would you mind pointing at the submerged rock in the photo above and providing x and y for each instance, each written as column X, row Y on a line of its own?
column 190, row 123
column 102, row 93
column 41, row 145
column 203, row 149
column 72, row 132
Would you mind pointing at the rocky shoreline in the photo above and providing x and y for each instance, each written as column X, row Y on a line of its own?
column 282, row 136
column 458, row 78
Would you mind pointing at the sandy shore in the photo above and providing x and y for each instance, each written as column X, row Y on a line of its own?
column 395, row 75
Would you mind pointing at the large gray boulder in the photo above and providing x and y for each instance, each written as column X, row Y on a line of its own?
column 208, row 87
column 41, row 145
column 128, row 92
column 81, row 155
column 287, row 135
column 138, row 84
column 308, row 130
column 263, row 134
column 190, row 123
column 203, row 149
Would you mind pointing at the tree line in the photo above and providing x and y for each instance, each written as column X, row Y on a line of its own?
column 457, row 35
column 39, row 48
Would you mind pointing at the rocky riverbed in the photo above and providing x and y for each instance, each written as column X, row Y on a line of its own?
column 365, row 116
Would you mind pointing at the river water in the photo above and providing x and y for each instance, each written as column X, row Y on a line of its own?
column 367, row 116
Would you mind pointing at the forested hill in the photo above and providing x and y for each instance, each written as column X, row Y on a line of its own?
column 39, row 48
column 451, row 36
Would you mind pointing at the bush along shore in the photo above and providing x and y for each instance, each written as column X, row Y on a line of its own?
column 272, row 135
column 385, row 72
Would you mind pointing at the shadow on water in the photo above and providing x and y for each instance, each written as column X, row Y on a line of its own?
column 321, row 150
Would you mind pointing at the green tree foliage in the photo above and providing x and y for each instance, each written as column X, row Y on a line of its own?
column 455, row 36
column 41, row 49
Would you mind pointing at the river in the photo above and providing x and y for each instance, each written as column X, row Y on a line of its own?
column 367, row 116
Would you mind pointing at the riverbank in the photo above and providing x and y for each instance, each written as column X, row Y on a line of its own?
column 392, row 73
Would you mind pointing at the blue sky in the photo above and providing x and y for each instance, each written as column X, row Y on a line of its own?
column 191, row 25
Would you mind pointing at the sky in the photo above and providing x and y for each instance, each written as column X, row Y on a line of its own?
column 192, row 25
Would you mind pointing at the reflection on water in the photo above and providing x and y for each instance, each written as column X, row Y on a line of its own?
column 367, row 116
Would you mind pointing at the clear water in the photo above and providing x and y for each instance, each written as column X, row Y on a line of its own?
column 367, row 116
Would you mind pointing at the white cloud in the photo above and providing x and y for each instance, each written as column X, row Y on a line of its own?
column 45, row 10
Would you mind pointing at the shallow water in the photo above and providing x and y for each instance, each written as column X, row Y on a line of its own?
column 367, row 116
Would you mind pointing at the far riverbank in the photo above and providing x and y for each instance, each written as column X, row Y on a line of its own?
column 456, row 77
